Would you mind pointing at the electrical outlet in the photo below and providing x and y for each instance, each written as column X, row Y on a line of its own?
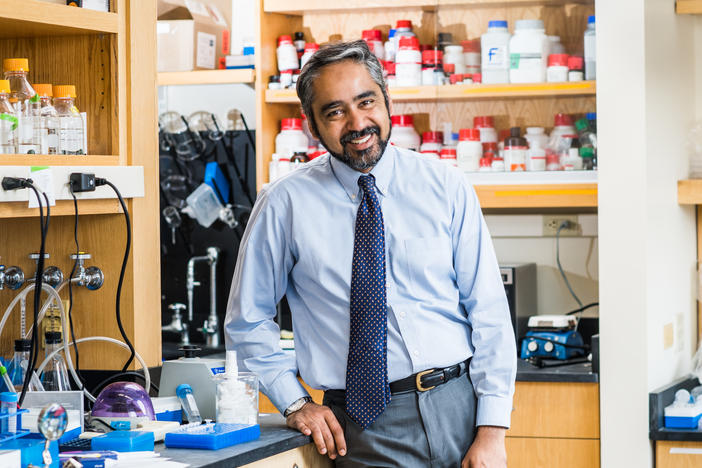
column 552, row 222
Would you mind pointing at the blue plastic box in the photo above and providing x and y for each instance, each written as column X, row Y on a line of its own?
column 124, row 441
column 32, row 447
column 213, row 436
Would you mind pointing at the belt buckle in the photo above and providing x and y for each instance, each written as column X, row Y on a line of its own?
column 420, row 387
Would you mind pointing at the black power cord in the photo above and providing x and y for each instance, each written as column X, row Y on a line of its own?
column 564, row 225
column 14, row 183
column 119, row 375
column 98, row 182
column 70, row 287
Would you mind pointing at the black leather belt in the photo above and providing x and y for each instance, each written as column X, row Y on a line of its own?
column 428, row 379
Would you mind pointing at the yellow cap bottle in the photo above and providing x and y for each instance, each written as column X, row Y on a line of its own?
column 5, row 86
column 44, row 90
column 64, row 91
column 15, row 64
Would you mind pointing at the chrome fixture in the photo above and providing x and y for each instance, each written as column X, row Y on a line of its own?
column 177, row 325
column 12, row 277
column 51, row 275
column 90, row 277
column 210, row 327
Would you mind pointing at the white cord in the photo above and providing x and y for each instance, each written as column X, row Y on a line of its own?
column 147, row 375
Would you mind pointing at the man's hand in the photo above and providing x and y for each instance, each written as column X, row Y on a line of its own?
column 488, row 449
column 319, row 422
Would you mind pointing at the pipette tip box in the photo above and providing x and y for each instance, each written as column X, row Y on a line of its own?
column 124, row 441
column 212, row 436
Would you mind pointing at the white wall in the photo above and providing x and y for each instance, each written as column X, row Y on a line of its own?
column 645, row 104
column 518, row 239
column 218, row 99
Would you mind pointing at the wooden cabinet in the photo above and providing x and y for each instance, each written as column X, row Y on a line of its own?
column 301, row 457
column 111, row 59
column 671, row 454
column 554, row 425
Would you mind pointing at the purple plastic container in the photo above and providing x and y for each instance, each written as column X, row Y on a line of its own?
column 124, row 400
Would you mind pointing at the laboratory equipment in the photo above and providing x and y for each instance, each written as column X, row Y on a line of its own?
column 187, row 401
column 52, row 424
column 203, row 205
column 177, row 325
column 172, row 217
column 197, row 372
column 8, row 405
column 52, row 275
column 123, row 405
column 212, row 436
column 90, row 277
column 71, row 130
column 519, row 280
column 6, row 379
column 124, row 441
column 552, row 336
column 12, row 277
column 237, row 398
column 55, row 375
column 20, row 361
column 210, row 327
column 685, row 411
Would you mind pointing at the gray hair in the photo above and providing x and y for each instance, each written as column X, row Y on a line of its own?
column 354, row 51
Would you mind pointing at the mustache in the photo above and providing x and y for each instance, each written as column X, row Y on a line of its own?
column 355, row 135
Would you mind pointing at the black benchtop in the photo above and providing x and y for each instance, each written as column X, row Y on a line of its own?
column 275, row 438
column 658, row 400
column 581, row 372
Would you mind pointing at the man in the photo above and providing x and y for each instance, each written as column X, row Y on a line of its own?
column 398, row 307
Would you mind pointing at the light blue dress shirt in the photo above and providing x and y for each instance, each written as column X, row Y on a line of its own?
column 445, row 294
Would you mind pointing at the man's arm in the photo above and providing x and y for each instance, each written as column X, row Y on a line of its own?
column 482, row 295
column 259, row 282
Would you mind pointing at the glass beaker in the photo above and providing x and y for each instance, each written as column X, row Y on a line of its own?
column 237, row 398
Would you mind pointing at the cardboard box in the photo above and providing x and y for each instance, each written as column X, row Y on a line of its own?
column 190, row 35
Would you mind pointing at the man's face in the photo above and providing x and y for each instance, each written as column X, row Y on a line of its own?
column 353, row 122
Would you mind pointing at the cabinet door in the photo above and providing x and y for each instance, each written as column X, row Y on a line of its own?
column 526, row 452
column 670, row 454
column 301, row 457
column 556, row 409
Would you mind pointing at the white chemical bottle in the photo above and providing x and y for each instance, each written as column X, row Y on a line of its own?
column 590, row 49
column 495, row 52
column 528, row 51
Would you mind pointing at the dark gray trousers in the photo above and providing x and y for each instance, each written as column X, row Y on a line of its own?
column 417, row 429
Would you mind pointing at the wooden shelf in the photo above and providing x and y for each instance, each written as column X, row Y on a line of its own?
column 690, row 192
column 198, row 77
column 54, row 160
column 537, row 196
column 688, row 7
column 465, row 92
column 33, row 18
column 308, row 6
column 62, row 208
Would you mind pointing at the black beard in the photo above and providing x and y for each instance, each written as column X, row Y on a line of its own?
column 366, row 158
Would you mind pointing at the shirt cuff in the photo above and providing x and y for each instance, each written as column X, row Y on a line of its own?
column 494, row 411
column 285, row 390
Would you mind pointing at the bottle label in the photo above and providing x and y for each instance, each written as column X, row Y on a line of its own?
column 525, row 61
column 495, row 58
column 11, row 119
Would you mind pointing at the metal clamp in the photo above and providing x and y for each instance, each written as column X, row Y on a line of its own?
column 90, row 277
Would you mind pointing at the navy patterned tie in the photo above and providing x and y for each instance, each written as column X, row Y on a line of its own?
column 367, row 387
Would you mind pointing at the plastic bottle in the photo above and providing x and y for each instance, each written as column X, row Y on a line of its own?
column 390, row 48
column 573, row 161
column 557, row 71
column 403, row 29
column 587, row 137
column 286, row 78
column 431, row 62
column 70, row 131
column 535, row 136
column 284, row 167
column 431, row 144
column 471, row 55
column 286, row 54
column 187, row 402
column 26, row 104
column 8, row 121
column 19, row 363
column 486, row 125
column 408, row 62
column 299, row 43
column 555, row 45
column 562, row 125
column 453, row 54
column 528, row 50
column 538, row 142
column 403, row 133
column 310, row 48
column 274, row 82
column 497, row 164
column 552, row 162
column 592, row 120
column 444, row 39
column 55, row 375
column 469, row 150
column 590, row 49
column 515, row 151
column 495, row 52
column 448, row 156
column 373, row 38
column 575, row 68
column 485, row 165
column 8, row 402
column 49, row 119
column 291, row 138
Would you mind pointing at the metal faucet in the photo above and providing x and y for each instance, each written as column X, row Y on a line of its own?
column 91, row 277
column 51, row 275
column 177, row 325
column 210, row 328
column 12, row 277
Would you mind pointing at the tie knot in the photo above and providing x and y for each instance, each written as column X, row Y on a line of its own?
column 366, row 182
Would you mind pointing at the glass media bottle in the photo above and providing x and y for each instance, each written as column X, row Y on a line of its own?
column 8, row 121
column 70, row 131
column 20, row 361
column 55, row 375
column 26, row 104
column 49, row 119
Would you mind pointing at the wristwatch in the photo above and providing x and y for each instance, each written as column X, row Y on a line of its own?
column 297, row 405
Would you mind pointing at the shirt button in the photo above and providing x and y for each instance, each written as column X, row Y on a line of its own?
column 415, row 352
column 402, row 314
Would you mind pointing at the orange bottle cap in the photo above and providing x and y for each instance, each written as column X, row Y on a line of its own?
column 44, row 89
column 5, row 86
column 64, row 91
column 16, row 64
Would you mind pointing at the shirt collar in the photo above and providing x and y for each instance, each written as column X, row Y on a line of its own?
column 348, row 178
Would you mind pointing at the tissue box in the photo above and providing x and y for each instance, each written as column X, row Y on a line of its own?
column 683, row 417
